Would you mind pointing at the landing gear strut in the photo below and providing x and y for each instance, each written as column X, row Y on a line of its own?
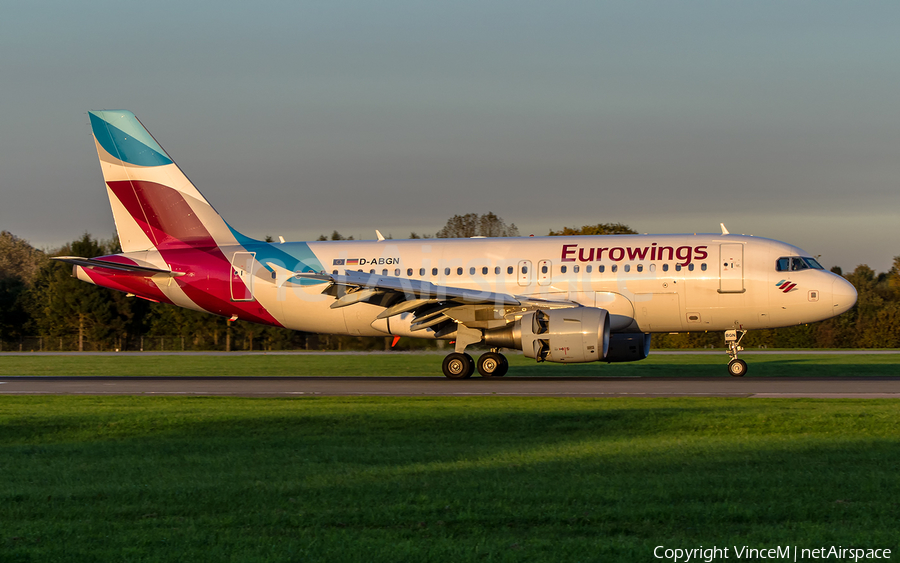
column 736, row 367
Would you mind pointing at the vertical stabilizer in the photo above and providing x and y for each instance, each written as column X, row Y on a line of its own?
column 153, row 202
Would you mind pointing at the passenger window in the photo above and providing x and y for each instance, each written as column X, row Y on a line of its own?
column 509, row 269
column 421, row 271
column 484, row 271
column 384, row 272
column 690, row 267
column 627, row 267
column 588, row 268
column 334, row 272
column 372, row 271
column 543, row 269
column 446, row 271
column 524, row 269
column 665, row 267
column 703, row 266
column 601, row 268
column 434, row 271
column 652, row 267
column 497, row 270
column 575, row 268
column 459, row 271
column 640, row 267
column 677, row 267
column 471, row 271
column 614, row 268
column 562, row 269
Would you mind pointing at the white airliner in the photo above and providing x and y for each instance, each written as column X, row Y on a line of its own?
column 558, row 299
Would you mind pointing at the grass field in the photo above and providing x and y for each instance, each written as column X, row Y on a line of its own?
column 778, row 365
column 427, row 479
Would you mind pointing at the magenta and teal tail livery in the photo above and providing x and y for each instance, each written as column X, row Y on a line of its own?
column 154, row 203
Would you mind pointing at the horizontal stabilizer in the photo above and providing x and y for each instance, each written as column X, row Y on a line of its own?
column 134, row 268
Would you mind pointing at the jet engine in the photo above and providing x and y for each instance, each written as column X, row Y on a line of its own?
column 575, row 335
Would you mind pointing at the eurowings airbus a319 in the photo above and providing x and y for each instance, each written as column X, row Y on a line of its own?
column 558, row 299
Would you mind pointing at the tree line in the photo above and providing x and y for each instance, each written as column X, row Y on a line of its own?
column 42, row 307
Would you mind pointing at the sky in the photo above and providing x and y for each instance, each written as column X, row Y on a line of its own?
column 780, row 119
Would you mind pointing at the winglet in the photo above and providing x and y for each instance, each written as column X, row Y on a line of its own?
column 724, row 230
column 379, row 235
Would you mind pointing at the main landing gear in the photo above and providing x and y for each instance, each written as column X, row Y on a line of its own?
column 736, row 367
column 461, row 365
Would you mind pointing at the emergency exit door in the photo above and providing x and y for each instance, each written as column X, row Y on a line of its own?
column 731, row 268
column 525, row 273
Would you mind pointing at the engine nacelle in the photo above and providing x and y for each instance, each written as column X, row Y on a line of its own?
column 575, row 335
column 628, row 347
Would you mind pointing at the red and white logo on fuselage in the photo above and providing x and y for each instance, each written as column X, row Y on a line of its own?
column 786, row 286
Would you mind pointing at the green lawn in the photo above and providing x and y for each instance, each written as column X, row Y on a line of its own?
column 439, row 479
column 656, row 365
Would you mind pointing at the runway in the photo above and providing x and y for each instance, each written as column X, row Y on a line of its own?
column 820, row 388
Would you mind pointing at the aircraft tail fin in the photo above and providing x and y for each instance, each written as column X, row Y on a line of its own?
column 154, row 204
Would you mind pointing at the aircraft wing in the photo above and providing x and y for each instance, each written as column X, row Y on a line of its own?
column 133, row 268
column 438, row 307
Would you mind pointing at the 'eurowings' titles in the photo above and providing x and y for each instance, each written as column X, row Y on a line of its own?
column 683, row 254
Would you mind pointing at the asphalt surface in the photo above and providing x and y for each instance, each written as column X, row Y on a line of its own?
column 825, row 388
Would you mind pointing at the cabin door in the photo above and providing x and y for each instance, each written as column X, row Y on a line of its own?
column 242, row 276
column 731, row 269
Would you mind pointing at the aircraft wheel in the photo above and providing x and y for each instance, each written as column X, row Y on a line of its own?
column 504, row 367
column 458, row 366
column 492, row 364
column 737, row 368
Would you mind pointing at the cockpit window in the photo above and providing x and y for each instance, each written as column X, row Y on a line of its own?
column 796, row 263
column 814, row 264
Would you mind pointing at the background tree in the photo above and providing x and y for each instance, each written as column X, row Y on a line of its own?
column 598, row 229
column 19, row 266
column 334, row 236
column 67, row 306
column 475, row 225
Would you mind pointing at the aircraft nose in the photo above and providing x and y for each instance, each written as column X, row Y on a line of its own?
column 843, row 294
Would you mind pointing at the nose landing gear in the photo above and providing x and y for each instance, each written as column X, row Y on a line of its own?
column 736, row 367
